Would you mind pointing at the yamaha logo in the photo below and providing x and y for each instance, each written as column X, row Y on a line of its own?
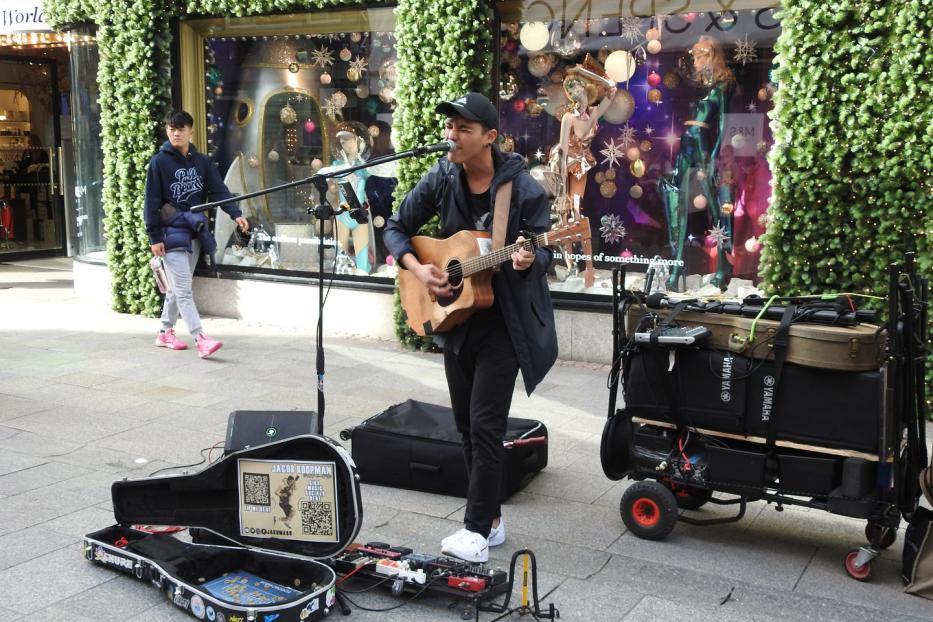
column 725, row 396
column 271, row 432
column 769, row 381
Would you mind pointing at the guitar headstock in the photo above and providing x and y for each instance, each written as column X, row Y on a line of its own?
column 576, row 231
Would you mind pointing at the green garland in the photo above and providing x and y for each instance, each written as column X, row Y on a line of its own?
column 853, row 155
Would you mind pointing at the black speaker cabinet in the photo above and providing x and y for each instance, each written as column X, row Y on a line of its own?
column 251, row 428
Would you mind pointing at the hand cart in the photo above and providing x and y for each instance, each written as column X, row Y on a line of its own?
column 745, row 445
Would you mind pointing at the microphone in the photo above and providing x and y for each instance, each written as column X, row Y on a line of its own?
column 447, row 145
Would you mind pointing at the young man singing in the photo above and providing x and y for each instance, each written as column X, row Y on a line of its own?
column 482, row 357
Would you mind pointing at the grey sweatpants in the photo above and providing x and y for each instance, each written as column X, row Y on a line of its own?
column 180, row 265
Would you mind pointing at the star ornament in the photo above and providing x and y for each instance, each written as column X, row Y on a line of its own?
column 612, row 153
column 627, row 135
column 322, row 57
column 745, row 51
column 630, row 29
column 332, row 109
column 612, row 229
column 718, row 235
column 360, row 64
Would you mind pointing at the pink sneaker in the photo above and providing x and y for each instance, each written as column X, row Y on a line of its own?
column 168, row 339
column 207, row 346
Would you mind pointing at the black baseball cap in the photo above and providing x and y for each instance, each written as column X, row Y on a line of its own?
column 472, row 107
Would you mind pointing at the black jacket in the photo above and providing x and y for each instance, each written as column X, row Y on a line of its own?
column 182, row 181
column 523, row 297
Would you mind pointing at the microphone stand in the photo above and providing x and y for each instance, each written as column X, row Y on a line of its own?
column 322, row 212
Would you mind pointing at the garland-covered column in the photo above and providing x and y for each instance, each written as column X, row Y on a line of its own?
column 852, row 161
column 444, row 50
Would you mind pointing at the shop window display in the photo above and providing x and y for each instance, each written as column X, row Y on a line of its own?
column 281, row 107
column 653, row 127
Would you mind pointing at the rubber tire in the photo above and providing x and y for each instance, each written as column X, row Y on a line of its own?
column 614, row 446
column 859, row 574
column 649, row 510
column 889, row 538
column 689, row 497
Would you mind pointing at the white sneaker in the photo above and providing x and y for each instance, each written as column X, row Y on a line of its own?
column 452, row 536
column 497, row 534
column 468, row 546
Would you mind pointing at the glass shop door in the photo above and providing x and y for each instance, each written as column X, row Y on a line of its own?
column 31, row 202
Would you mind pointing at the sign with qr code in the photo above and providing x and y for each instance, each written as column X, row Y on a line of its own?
column 288, row 500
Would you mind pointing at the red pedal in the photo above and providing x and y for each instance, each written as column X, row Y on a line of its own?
column 469, row 584
column 369, row 550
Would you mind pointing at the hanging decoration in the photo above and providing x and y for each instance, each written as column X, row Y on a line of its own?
column 655, row 96
column 621, row 108
column 532, row 107
column 745, row 51
column 671, row 80
column 620, row 65
column 540, row 64
column 508, row 86
column 310, row 126
column 654, row 79
column 273, row 156
column 637, row 168
column 359, row 66
column 612, row 153
column 288, row 115
column 719, row 235
column 345, row 54
column 653, row 47
column 534, row 36
column 612, row 228
column 627, row 134
column 635, row 191
column 569, row 46
column 322, row 57
column 325, row 78
column 630, row 29
column 293, row 67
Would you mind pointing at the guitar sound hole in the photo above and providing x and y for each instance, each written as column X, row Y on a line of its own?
column 455, row 273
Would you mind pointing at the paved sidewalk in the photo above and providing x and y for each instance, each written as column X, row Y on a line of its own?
column 86, row 399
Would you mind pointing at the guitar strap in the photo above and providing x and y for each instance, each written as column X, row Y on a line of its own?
column 500, row 215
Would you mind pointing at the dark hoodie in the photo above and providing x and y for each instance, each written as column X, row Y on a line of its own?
column 183, row 182
column 523, row 297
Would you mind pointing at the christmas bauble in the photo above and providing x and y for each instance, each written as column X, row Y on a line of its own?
column 752, row 245
column 508, row 86
column 671, row 80
column 620, row 65
column 340, row 99
column 621, row 108
column 737, row 141
column 655, row 96
column 362, row 91
column 345, row 54
column 316, row 163
column 635, row 191
column 727, row 208
column 519, row 105
column 273, row 156
column 325, row 78
column 645, row 145
column 600, row 177
column 293, row 67
column 356, row 37
column 534, row 36
column 353, row 74
column 699, row 201
column 608, row 189
column 540, row 64
column 569, row 45
column 532, row 107
column 654, row 78
column 637, row 168
column 310, row 126
column 288, row 115
column 763, row 94
column 653, row 47
column 633, row 153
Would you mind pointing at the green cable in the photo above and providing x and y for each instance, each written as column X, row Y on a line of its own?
column 751, row 332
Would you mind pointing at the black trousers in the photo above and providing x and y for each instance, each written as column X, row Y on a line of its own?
column 481, row 378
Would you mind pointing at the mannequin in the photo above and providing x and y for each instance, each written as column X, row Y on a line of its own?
column 585, row 85
column 354, row 145
column 695, row 164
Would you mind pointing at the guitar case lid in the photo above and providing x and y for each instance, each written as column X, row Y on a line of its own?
column 298, row 496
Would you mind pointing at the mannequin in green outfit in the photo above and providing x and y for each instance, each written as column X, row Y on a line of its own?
column 696, row 162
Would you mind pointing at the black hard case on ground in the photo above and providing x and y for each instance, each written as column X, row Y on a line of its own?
column 416, row 446
column 210, row 500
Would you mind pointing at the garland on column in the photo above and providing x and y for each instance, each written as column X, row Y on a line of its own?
column 444, row 50
column 853, row 159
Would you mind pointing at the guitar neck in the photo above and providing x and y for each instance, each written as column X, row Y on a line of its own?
column 502, row 255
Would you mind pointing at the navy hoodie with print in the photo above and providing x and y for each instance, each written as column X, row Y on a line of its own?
column 182, row 181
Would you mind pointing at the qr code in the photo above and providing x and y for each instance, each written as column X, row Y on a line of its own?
column 317, row 518
column 256, row 489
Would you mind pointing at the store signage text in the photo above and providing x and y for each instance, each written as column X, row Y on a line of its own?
column 22, row 16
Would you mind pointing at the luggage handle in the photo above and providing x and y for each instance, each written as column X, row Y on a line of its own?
column 420, row 466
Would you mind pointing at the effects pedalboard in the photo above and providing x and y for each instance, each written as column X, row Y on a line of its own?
column 410, row 571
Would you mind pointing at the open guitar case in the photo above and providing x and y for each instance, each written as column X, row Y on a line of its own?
column 268, row 568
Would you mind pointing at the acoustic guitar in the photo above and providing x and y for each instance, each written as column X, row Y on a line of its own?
column 469, row 260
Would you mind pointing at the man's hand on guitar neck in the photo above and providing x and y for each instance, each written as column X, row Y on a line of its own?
column 433, row 277
column 522, row 259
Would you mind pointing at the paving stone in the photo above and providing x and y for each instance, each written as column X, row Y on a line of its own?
column 49, row 579
column 27, row 544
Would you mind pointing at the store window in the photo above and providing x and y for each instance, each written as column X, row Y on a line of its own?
column 653, row 126
column 86, row 131
column 283, row 97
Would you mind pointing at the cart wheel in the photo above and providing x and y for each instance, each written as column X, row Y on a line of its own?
column 688, row 497
column 888, row 534
column 649, row 510
column 859, row 574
